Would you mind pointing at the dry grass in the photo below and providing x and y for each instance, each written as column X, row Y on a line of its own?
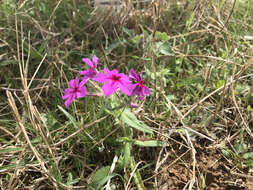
column 201, row 110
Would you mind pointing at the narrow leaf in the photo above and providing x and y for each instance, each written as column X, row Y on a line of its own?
column 70, row 117
column 151, row 143
column 130, row 119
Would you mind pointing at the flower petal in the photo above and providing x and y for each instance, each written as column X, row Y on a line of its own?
column 100, row 77
column 83, row 81
column 88, row 73
column 109, row 88
column 81, row 92
column 141, row 75
column 95, row 61
column 133, row 75
column 87, row 61
column 74, row 83
column 69, row 100
column 114, row 72
column 85, row 72
column 107, row 71
column 66, row 96
column 137, row 90
column 145, row 91
column 126, row 88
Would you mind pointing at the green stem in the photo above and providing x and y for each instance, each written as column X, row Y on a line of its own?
column 129, row 160
column 137, row 176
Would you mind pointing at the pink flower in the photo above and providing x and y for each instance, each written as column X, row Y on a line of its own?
column 75, row 90
column 139, row 89
column 113, row 80
column 90, row 73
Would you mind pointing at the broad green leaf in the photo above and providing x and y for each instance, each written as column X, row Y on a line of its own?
column 130, row 119
column 164, row 48
column 249, row 162
column 136, row 39
column 101, row 177
column 248, row 155
column 70, row 117
column 162, row 35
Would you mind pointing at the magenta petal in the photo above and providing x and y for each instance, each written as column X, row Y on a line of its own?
column 68, row 101
column 87, row 61
column 83, row 81
column 126, row 88
column 109, row 88
column 145, row 91
column 100, row 77
column 72, row 83
column 66, row 96
column 137, row 90
column 88, row 73
column 68, row 91
column 124, row 78
column 85, row 72
column 107, row 71
column 114, row 72
column 95, row 61
column 141, row 75
column 82, row 92
column 133, row 75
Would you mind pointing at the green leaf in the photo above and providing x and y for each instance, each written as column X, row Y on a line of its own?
column 16, row 166
column 162, row 35
column 150, row 143
column 220, row 83
column 70, row 117
column 189, row 22
column 127, row 154
column 70, row 180
column 164, row 48
column 101, row 177
column 137, row 176
column 113, row 46
column 11, row 149
column 129, row 32
column 249, row 162
column 130, row 119
column 8, row 62
column 248, row 155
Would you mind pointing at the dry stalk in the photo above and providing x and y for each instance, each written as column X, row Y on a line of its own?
column 159, row 164
column 22, row 128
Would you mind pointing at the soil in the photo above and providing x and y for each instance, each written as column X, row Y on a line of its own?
column 213, row 172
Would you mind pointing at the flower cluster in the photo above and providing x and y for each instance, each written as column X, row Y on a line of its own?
column 112, row 81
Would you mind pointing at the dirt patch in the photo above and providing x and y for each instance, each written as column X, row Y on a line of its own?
column 213, row 172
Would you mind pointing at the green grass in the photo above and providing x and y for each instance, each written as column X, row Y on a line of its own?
column 193, row 56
